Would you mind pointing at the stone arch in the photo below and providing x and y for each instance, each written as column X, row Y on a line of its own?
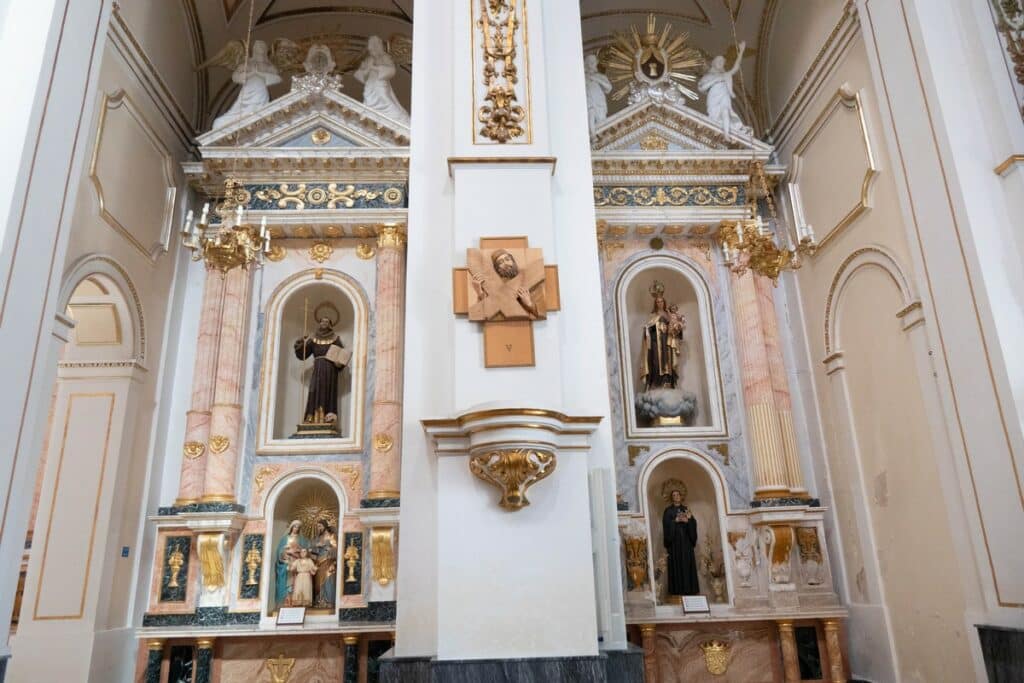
column 101, row 264
column 719, row 488
column 865, row 257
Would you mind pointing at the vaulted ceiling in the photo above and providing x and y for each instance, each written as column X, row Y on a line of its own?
column 713, row 25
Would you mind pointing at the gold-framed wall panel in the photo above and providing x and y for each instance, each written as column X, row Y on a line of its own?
column 476, row 77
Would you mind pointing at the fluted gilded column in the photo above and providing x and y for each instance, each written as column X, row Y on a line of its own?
column 790, row 661
column 197, row 419
column 204, row 660
column 387, row 396
column 351, row 672
column 780, row 387
column 154, row 661
column 771, row 478
column 835, row 652
column 226, row 412
column 647, row 639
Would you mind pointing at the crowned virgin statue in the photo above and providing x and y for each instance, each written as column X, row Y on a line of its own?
column 661, row 400
column 329, row 355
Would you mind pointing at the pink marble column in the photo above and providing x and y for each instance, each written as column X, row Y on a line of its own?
column 197, row 419
column 226, row 412
column 770, row 471
column 780, row 387
column 387, row 407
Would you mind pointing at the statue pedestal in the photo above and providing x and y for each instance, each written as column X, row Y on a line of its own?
column 315, row 430
column 514, row 534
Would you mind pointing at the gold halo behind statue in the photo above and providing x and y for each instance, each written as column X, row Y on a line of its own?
column 671, row 485
column 327, row 310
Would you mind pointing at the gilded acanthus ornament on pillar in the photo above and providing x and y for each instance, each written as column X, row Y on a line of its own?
column 513, row 471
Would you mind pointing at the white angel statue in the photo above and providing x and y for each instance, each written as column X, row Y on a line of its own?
column 598, row 87
column 375, row 73
column 717, row 83
column 255, row 75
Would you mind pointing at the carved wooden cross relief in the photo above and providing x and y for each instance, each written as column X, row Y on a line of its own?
column 506, row 286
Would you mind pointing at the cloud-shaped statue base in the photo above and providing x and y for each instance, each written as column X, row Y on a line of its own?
column 666, row 403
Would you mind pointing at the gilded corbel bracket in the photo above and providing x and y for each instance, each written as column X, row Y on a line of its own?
column 513, row 472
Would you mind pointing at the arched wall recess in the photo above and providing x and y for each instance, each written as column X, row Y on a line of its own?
column 700, row 371
column 281, row 404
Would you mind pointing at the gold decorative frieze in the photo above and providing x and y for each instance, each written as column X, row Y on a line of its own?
column 219, row 443
column 262, row 474
column 652, row 142
column 383, row 553
column 635, row 451
column 502, row 115
column 301, row 196
column 664, row 195
column 513, row 472
column 194, row 449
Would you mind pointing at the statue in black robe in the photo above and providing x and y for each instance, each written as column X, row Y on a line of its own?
column 329, row 357
column 679, row 530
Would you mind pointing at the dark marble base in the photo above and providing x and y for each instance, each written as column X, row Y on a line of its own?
column 625, row 666
column 3, row 667
column 613, row 667
column 1003, row 651
column 374, row 612
column 379, row 503
column 785, row 502
column 203, row 616
column 200, row 507
column 621, row 506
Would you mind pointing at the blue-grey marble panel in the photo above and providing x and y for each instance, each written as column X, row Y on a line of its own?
column 379, row 503
column 539, row 670
column 203, row 616
column 1003, row 651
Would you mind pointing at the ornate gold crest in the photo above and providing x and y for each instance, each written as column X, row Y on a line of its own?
column 194, row 449
column 651, row 65
column 716, row 656
column 383, row 443
column 276, row 253
column 321, row 136
column 365, row 251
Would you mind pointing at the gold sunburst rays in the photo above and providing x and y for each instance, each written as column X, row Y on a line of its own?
column 314, row 507
column 652, row 59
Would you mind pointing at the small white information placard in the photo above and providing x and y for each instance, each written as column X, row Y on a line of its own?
column 291, row 616
column 695, row 604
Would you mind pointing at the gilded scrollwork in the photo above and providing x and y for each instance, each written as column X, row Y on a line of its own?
column 301, row 196
column 513, row 471
column 502, row 116
column 679, row 195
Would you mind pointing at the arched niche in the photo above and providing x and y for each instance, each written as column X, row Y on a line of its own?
column 98, row 295
column 306, row 496
column 705, row 496
column 285, row 379
column 699, row 374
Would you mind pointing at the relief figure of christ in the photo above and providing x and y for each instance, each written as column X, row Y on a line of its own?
column 504, row 290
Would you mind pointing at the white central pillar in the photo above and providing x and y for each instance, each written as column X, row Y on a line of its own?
column 477, row 581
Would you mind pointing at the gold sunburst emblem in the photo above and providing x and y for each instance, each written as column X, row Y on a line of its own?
column 316, row 506
column 652, row 65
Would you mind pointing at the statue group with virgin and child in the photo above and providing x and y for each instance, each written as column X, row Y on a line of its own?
column 307, row 569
